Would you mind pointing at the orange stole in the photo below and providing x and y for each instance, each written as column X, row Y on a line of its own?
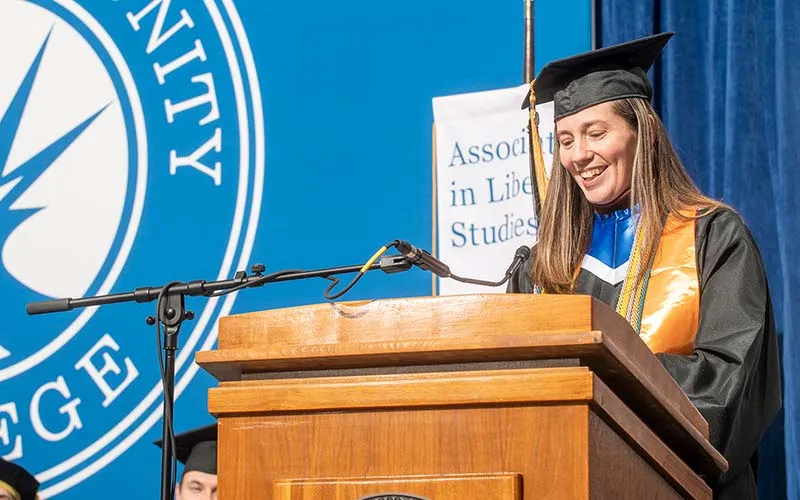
column 671, row 309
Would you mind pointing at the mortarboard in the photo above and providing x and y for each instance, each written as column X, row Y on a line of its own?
column 602, row 75
column 197, row 449
column 18, row 481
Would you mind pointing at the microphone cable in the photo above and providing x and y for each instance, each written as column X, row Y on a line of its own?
column 260, row 280
column 168, row 409
column 377, row 255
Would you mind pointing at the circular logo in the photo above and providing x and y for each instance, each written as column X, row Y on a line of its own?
column 392, row 496
column 131, row 154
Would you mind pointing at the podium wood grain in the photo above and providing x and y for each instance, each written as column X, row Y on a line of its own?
column 555, row 389
column 546, row 424
column 425, row 329
column 466, row 329
column 446, row 487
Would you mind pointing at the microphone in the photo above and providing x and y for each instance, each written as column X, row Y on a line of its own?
column 520, row 256
column 428, row 262
column 423, row 259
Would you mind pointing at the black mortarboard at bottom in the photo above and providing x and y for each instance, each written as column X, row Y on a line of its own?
column 602, row 75
column 197, row 449
column 19, row 480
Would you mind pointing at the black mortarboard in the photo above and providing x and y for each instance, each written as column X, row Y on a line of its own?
column 20, row 481
column 602, row 75
column 197, row 449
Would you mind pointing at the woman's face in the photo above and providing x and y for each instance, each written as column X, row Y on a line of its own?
column 597, row 147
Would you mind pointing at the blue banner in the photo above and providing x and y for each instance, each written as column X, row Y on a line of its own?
column 144, row 141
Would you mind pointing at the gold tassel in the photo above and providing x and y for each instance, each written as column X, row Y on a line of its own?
column 536, row 146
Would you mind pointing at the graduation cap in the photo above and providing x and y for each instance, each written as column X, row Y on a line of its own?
column 18, row 481
column 602, row 75
column 197, row 449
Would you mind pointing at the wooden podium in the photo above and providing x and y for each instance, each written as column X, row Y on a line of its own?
column 486, row 397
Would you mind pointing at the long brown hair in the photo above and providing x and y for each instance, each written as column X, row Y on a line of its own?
column 660, row 185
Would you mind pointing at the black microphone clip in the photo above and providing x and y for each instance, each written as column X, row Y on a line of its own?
column 423, row 259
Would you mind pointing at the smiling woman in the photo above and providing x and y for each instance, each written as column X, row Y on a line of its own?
column 597, row 147
column 622, row 221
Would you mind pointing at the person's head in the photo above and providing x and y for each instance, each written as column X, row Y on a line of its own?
column 597, row 149
column 197, row 451
column 612, row 151
column 16, row 483
column 197, row 485
column 7, row 493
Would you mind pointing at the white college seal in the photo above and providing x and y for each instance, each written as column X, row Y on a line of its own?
column 131, row 154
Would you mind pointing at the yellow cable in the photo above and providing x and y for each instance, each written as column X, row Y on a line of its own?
column 372, row 260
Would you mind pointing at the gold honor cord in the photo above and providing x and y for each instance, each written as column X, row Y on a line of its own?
column 539, row 171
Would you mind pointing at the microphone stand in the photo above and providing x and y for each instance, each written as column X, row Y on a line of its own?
column 171, row 313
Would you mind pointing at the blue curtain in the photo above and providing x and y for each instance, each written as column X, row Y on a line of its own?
column 727, row 90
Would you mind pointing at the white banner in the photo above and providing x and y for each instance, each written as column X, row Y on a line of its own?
column 483, row 184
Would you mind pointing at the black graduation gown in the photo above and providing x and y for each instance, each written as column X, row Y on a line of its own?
column 733, row 374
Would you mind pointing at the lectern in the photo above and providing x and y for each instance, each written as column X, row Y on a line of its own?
column 485, row 397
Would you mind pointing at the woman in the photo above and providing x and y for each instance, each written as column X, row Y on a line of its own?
column 622, row 221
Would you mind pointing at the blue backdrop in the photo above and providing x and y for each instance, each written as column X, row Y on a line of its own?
column 345, row 89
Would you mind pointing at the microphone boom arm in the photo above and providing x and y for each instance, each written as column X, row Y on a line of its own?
column 389, row 264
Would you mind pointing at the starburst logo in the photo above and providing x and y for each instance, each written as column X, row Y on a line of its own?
column 131, row 153
column 16, row 179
